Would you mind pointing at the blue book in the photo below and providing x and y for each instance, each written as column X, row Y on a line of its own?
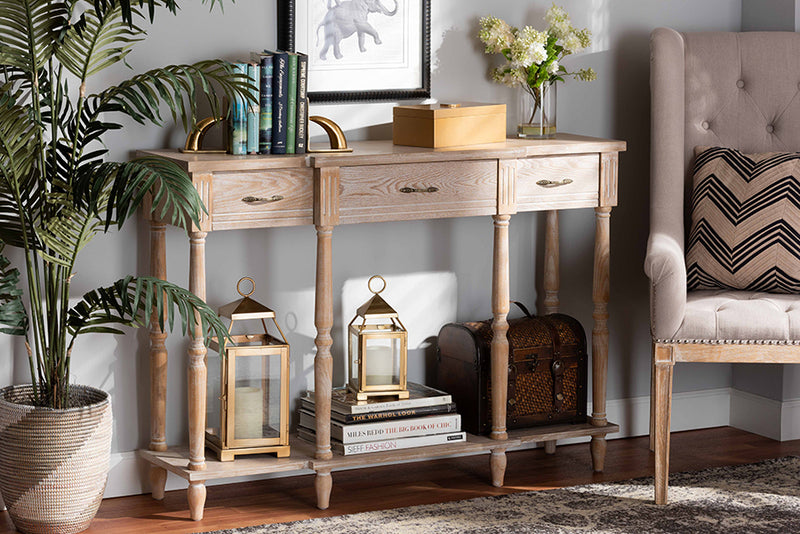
column 265, row 101
column 253, row 108
column 238, row 118
column 280, row 101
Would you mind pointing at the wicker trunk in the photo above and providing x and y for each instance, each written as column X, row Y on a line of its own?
column 54, row 463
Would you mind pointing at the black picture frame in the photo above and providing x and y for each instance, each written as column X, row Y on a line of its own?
column 286, row 21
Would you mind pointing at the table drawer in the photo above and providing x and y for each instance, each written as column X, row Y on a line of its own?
column 558, row 182
column 281, row 197
column 417, row 191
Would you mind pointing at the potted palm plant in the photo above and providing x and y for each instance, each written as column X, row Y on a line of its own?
column 57, row 191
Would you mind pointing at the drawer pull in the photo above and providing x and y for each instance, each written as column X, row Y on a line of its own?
column 273, row 198
column 419, row 190
column 554, row 183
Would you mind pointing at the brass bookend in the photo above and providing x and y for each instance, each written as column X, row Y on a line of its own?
column 194, row 141
column 335, row 136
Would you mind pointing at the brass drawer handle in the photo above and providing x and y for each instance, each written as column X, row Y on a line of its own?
column 554, row 183
column 419, row 190
column 273, row 198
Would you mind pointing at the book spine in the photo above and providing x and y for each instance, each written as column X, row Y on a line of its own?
column 291, row 104
column 239, row 118
column 398, row 404
column 265, row 102
column 253, row 108
column 280, row 101
column 404, row 428
column 302, row 104
column 394, row 414
column 400, row 443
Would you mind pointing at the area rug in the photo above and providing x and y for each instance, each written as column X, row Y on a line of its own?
column 755, row 498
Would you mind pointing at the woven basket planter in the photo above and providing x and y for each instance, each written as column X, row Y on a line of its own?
column 54, row 463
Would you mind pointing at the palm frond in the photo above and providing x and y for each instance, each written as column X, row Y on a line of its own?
column 13, row 317
column 133, row 301
column 65, row 234
column 101, row 41
column 178, row 86
column 29, row 30
column 19, row 198
column 114, row 191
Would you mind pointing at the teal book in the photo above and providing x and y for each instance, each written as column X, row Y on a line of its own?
column 238, row 118
column 253, row 108
column 265, row 101
column 301, row 129
column 291, row 108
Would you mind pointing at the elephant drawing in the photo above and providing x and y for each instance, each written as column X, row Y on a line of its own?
column 348, row 17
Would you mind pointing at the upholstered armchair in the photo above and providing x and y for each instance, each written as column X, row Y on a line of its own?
column 737, row 90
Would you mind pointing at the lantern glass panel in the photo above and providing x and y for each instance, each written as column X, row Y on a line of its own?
column 214, row 403
column 257, row 397
column 381, row 361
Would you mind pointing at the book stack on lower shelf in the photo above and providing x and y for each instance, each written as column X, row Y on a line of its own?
column 427, row 417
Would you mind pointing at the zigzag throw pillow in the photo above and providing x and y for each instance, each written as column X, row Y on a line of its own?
column 745, row 230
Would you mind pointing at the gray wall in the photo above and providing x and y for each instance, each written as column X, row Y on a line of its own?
column 438, row 265
column 768, row 15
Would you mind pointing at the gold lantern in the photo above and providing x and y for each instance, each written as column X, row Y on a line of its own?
column 252, row 415
column 377, row 349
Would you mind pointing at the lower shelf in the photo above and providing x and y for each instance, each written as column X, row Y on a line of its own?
column 176, row 460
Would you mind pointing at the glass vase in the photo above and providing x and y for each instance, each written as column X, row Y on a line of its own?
column 537, row 111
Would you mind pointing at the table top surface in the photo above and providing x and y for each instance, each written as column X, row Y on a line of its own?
column 383, row 152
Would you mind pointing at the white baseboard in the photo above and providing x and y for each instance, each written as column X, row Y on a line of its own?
column 129, row 474
column 766, row 417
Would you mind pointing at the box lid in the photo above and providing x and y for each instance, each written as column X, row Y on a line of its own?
column 446, row 110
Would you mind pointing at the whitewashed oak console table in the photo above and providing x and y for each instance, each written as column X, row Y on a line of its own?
column 382, row 182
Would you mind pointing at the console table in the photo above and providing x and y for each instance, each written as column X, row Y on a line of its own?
column 382, row 182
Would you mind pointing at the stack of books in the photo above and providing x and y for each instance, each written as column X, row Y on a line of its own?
column 278, row 122
column 427, row 417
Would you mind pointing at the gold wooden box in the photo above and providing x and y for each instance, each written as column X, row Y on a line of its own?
column 446, row 125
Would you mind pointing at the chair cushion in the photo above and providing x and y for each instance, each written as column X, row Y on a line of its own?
column 745, row 231
column 724, row 315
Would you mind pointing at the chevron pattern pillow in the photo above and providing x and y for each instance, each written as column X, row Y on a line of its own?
column 745, row 230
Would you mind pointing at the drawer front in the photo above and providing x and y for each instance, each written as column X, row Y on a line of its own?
column 558, row 182
column 282, row 197
column 417, row 191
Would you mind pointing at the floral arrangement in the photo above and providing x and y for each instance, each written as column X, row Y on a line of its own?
column 533, row 57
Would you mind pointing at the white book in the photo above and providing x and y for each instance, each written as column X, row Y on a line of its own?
column 347, row 449
column 420, row 395
column 382, row 430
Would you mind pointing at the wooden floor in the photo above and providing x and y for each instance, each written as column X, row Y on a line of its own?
column 290, row 499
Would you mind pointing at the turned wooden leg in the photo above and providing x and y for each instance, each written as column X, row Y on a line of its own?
column 158, row 482
column 158, row 363
column 197, row 374
column 323, row 484
column 600, row 296
column 323, row 362
column 499, row 347
column 197, row 500
column 663, row 408
column 498, row 467
column 551, row 264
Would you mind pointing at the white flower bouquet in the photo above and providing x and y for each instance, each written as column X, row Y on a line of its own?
column 533, row 57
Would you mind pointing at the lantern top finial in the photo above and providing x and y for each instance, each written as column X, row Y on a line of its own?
column 246, row 308
column 376, row 307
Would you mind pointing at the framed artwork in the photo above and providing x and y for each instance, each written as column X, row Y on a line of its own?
column 360, row 50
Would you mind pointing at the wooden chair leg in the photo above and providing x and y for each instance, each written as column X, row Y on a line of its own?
column 652, row 403
column 663, row 410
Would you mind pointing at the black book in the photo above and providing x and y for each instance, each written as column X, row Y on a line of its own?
column 351, row 418
column 264, row 59
column 301, row 131
column 280, row 101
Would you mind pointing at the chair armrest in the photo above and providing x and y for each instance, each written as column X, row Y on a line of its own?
column 666, row 268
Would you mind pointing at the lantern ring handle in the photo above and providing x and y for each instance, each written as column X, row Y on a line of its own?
column 379, row 277
column 239, row 283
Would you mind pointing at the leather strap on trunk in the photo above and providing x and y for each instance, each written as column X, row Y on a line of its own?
column 557, row 367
